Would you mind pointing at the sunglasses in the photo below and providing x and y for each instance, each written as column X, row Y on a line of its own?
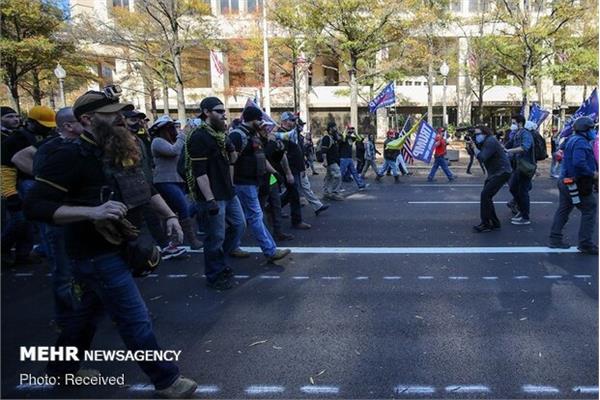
column 219, row 111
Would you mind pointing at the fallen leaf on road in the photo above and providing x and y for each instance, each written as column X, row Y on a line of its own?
column 312, row 381
column 277, row 347
column 320, row 373
column 523, row 319
column 419, row 317
column 155, row 298
column 259, row 342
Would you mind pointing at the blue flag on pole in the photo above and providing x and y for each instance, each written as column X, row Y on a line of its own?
column 537, row 114
column 424, row 141
column 588, row 108
column 387, row 97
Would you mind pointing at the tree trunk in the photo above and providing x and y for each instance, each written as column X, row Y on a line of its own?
column 14, row 94
column 37, row 91
column 525, row 88
column 430, row 93
column 165, row 90
column 179, row 86
column 353, row 93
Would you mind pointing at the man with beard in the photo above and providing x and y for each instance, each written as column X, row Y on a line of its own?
column 87, row 185
column 16, row 183
column 212, row 155
column 10, row 121
column 249, row 170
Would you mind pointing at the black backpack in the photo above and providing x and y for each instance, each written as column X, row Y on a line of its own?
column 539, row 143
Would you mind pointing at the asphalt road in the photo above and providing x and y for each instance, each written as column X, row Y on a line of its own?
column 436, row 312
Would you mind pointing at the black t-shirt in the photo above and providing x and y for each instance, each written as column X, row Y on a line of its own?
column 46, row 148
column 72, row 174
column 360, row 150
column 18, row 141
column 208, row 159
column 331, row 149
column 250, row 166
column 345, row 148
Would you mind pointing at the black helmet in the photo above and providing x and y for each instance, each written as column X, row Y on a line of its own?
column 583, row 124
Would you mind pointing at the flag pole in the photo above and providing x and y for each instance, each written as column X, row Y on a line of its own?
column 267, row 85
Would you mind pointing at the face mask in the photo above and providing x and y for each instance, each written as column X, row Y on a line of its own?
column 479, row 138
column 514, row 127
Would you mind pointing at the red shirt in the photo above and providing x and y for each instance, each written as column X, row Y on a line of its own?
column 440, row 149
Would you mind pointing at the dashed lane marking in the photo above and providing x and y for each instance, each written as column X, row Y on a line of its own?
column 425, row 277
column 470, row 202
column 177, row 276
column 331, row 278
column 467, row 389
column 414, row 389
column 269, row 276
column 458, row 278
column 320, row 389
column 392, row 278
column 552, row 276
column 540, row 389
column 204, row 389
column 446, row 185
column 300, row 278
column 586, row 389
column 258, row 389
column 490, row 278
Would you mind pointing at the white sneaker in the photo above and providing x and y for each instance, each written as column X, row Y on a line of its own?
column 520, row 221
column 171, row 251
column 182, row 388
column 516, row 217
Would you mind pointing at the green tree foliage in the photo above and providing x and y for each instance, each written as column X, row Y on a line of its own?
column 32, row 42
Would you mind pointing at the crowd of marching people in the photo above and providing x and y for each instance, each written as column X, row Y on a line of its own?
column 111, row 195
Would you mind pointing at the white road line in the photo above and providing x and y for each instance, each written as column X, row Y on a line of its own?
column 552, row 276
column 152, row 276
column 422, row 250
column 539, row 389
column 331, row 278
column 361, row 278
column 490, row 278
column 300, row 278
column 468, row 389
column 31, row 386
column 241, row 276
column 141, row 387
column 586, row 389
column 392, row 278
column 207, row 389
column 520, row 277
column 320, row 389
column 21, row 274
column 258, row 389
column 582, row 276
column 270, row 277
column 48, row 274
column 470, row 202
column 177, row 276
column 414, row 389
column 425, row 277
column 442, row 185
column 458, row 278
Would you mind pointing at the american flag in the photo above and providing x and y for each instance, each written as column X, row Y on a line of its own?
column 406, row 152
column 218, row 64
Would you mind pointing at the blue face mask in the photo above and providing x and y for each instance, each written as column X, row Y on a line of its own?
column 514, row 127
column 479, row 138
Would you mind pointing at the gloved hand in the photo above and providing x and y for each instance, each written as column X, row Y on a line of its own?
column 14, row 203
column 213, row 207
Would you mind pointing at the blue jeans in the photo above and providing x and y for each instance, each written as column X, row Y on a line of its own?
column 347, row 165
column 62, row 270
column 223, row 234
column 18, row 231
column 174, row 195
column 248, row 195
column 105, row 283
column 440, row 162
column 391, row 164
column 519, row 186
column 587, row 207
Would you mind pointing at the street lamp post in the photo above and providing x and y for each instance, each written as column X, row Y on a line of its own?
column 444, row 70
column 61, row 74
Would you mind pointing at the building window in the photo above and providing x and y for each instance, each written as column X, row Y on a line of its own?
column 230, row 7
column 121, row 3
column 254, row 6
column 408, row 83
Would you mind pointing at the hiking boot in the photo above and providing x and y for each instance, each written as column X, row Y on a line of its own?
column 363, row 187
column 239, row 253
column 469, row 173
column 513, row 207
column 321, row 209
column 378, row 178
column 221, row 283
column 520, row 221
column 282, row 237
column 481, row 228
column 182, row 388
column 558, row 244
column 496, row 225
column 452, row 179
column 227, row 273
column 171, row 251
column 302, row 225
column 591, row 249
column 279, row 254
column 396, row 179
column 337, row 197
